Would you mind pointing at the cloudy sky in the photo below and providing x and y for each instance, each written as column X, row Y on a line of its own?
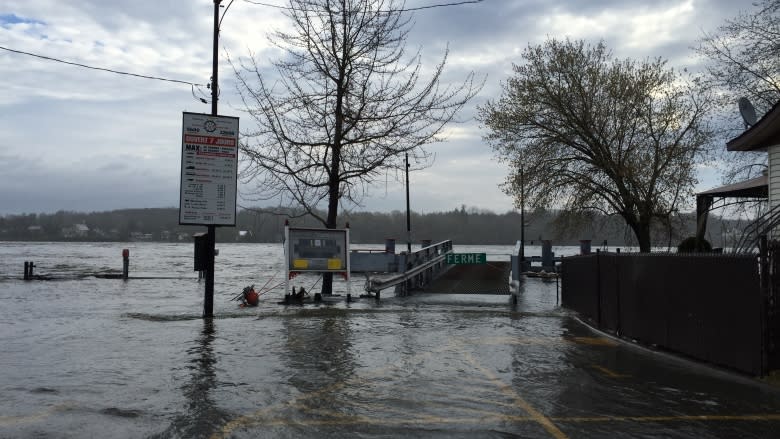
column 86, row 140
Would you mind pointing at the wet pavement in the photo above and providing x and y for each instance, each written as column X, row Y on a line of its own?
column 520, row 382
column 106, row 358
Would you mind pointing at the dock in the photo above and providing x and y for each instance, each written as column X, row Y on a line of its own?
column 437, row 269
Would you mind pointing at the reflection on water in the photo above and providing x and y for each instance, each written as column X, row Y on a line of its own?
column 201, row 416
column 318, row 354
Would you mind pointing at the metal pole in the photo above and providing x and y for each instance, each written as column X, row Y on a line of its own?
column 522, row 220
column 208, row 299
column 215, row 61
column 408, row 217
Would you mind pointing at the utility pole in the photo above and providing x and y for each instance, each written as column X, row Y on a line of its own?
column 408, row 214
column 211, row 236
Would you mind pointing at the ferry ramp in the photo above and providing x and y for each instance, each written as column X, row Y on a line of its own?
column 491, row 277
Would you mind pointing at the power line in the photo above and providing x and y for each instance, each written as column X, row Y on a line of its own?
column 192, row 84
column 389, row 11
column 48, row 58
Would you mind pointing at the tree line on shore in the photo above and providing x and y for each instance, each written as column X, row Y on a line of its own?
column 462, row 225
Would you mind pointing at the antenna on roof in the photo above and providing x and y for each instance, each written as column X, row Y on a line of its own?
column 748, row 112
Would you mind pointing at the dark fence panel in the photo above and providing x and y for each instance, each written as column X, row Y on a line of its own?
column 773, row 307
column 609, row 301
column 581, row 293
column 643, row 302
column 704, row 306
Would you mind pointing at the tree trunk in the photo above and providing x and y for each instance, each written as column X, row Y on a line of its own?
column 333, row 210
column 334, row 182
column 642, row 232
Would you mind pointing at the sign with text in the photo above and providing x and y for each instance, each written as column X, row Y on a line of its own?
column 466, row 258
column 209, row 170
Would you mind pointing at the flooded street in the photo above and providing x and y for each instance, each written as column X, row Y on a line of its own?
column 88, row 357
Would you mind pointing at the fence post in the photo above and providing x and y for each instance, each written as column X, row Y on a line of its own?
column 547, row 255
column 598, row 288
column 763, row 252
column 618, row 326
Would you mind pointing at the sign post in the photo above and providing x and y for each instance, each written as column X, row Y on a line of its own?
column 209, row 178
column 209, row 170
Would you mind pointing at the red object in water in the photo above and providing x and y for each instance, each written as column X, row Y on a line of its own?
column 251, row 297
column 125, row 253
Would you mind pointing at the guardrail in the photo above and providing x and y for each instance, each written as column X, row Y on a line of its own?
column 419, row 268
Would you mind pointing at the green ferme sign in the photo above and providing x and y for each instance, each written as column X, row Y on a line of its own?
column 466, row 258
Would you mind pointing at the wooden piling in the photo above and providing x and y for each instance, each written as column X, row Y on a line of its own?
column 28, row 270
column 125, row 263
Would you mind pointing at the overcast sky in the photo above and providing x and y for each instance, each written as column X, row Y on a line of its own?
column 87, row 140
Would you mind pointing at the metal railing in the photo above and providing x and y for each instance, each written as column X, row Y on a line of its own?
column 417, row 268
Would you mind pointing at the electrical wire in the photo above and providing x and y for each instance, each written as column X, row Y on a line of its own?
column 198, row 98
column 192, row 84
column 100, row 68
column 389, row 11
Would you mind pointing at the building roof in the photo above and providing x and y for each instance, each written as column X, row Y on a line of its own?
column 765, row 133
column 754, row 188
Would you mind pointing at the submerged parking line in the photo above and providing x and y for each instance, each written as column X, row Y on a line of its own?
column 428, row 420
column 513, row 341
column 608, row 372
column 252, row 418
column 7, row 421
column 363, row 420
column 298, row 402
column 536, row 415
column 380, row 414
column 772, row 417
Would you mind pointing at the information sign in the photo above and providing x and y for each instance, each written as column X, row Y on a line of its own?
column 466, row 258
column 209, row 170
column 319, row 250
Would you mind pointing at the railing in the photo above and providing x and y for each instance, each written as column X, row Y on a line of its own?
column 418, row 267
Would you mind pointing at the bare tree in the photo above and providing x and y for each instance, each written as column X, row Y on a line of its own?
column 745, row 57
column 744, row 61
column 347, row 104
column 596, row 133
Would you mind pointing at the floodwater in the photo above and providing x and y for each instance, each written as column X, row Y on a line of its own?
column 88, row 357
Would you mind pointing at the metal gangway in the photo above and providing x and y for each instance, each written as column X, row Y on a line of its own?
column 415, row 270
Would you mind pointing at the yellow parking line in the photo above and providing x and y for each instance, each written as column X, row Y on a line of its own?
column 678, row 418
column 592, row 341
column 609, row 372
column 428, row 420
column 251, row 419
column 536, row 415
column 511, row 341
column 7, row 421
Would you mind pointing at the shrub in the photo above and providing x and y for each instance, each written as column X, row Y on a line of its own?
column 688, row 245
